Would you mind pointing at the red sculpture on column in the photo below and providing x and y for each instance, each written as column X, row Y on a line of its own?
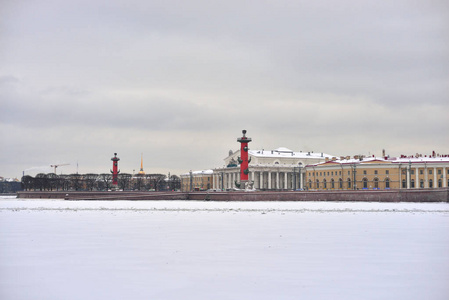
column 115, row 170
column 243, row 160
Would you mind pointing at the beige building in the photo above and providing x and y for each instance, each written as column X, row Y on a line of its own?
column 374, row 173
column 196, row 181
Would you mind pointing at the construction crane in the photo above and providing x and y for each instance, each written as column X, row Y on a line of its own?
column 55, row 166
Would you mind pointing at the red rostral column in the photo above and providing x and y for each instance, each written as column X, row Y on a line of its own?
column 115, row 170
column 243, row 159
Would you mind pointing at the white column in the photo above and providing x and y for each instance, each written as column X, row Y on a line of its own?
column 408, row 179
column 416, row 178
column 285, row 181
column 269, row 180
column 444, row 177
column 277, row 180
column 435, row 178
column 426, row 177
column 261, row 180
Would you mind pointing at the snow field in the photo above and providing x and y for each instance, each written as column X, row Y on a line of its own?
column 54, row 249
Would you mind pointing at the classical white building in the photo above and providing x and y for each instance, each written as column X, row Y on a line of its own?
column 277, row 169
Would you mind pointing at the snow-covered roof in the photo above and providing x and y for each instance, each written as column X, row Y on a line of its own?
column 394, row 160
column 285, row 152
column 201, row 172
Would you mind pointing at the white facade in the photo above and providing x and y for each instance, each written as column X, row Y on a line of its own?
column 277, row 169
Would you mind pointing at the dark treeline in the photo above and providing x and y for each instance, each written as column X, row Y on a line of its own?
column 99, row 182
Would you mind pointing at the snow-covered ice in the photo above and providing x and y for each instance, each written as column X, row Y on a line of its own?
column 55, row 249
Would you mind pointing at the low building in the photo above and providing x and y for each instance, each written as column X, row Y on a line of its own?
column 378, row 173
column 196, row 181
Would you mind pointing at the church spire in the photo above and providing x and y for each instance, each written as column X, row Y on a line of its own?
column 141, row 172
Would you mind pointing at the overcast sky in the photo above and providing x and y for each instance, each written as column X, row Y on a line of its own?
column 179, row 80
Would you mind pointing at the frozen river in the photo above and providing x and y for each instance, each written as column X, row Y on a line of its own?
column 55, row 249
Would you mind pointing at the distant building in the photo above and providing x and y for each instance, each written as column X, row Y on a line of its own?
column 196, row 181
column 378, row 173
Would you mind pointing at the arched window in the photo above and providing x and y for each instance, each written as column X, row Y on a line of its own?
column 310, row 184
column 349, row 183
column 365, row 183
column 332, row 183
column 317, row 183
column 324, row 183
column 387, row 183
column 340, row 182
column 376, row 183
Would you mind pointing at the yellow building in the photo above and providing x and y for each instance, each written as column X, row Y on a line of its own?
column 196, row 181
column 374, row 173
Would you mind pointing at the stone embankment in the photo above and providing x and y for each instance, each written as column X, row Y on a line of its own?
column 415, row 195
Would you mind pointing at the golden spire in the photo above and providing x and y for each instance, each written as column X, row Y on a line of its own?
column 141, row 172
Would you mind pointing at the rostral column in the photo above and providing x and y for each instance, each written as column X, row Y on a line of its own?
column 115, row 170
column 243, row 159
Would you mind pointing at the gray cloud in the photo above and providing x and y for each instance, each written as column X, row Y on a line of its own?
column 178, row 80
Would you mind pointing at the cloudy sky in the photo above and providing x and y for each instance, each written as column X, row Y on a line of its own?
column 179, row 80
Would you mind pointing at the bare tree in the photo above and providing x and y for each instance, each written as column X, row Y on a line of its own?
column 28, row 182
column 41, row 182
column 123, row 180
column 76, row 182
column 156, row 182
column 174, row 183
column 90, row 180
column 106, row 181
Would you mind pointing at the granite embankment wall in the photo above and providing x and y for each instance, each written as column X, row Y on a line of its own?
column 415, row 195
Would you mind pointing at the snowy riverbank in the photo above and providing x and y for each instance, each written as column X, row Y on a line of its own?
column 55, row 249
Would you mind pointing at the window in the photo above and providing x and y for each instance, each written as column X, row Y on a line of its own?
column 325, row 184
column 349, row 183
column 327, row 173
column 387, row 183
column 376, row 183
column 412, row 172
column 332, row 184
column 412, row 183
column 421, row 172
column 430, row 172
column 440, row 183
column 364, row 172
column 387, row 172
column 332, row 173
column 421, row 183
column 439, row 172
column 430, row 182
column 349, row 172
column 375, row 172
column 310, row 184
column 317, row 184
column 404, row 184
column 365, row 183
column 340, row 181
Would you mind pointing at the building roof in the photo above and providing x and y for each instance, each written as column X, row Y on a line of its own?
column 285, row 152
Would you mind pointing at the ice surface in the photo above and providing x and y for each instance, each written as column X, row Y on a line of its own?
column 55, row 249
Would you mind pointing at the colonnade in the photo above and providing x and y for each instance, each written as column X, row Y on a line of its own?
column 434, row 180
column 263, row 179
